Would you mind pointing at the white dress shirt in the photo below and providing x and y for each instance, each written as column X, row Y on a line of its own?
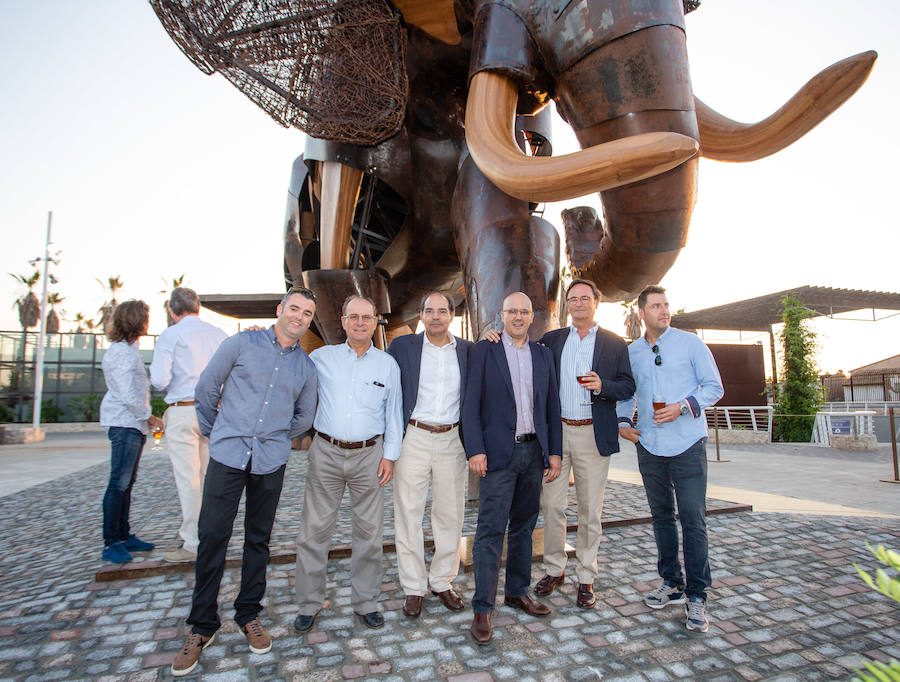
column 127, row 399
column 359, row 396
column 437, row 401
column 182, row 352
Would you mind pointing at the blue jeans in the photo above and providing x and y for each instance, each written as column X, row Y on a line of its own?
column 685, row 474
column 127, row 444
column 512, row 497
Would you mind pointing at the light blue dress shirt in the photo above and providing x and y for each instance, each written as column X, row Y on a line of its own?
column 577, row 353
column 688, row 373
column 359, row 396
column 268, row 397
column 127, row 399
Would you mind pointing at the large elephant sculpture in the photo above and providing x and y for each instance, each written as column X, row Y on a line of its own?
column 448, row 197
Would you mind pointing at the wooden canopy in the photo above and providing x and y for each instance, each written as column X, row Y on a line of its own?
column 243, row 306
column 760, row 313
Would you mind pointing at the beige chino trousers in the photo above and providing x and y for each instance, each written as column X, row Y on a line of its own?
column 331, row 469
column 591, row 471
column 439, row 459
column 189, row 452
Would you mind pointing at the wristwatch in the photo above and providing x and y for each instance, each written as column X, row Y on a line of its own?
column 684, row 410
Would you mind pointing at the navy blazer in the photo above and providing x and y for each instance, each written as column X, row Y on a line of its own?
column 407, row 351
column 612, row 365
column 489, row 414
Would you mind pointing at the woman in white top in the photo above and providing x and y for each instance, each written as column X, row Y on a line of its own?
column 125, row 414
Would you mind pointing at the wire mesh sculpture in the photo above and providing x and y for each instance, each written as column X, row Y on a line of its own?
column 335, row 69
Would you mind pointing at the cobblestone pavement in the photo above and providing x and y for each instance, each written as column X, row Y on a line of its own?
column 786, row 603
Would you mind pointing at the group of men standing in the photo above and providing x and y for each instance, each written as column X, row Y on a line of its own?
column 523, row 414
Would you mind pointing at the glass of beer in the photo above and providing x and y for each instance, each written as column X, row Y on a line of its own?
column 157, row 437
column 659, row 402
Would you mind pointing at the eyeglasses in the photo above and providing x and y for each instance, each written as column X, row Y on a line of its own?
column 356, row 318
column 524, row 312
column 572, row 300
column 658, row 359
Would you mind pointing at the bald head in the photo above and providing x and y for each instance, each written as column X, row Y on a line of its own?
column 517, row 316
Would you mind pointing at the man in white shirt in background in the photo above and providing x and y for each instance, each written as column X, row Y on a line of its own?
column 182, row 352
column 433, row 375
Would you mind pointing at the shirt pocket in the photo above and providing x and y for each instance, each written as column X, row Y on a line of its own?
column 373, row 390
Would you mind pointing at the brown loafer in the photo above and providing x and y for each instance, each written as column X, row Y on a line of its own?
column 527, row 604
column 481, row 629
column 586, row 598
column 547, row 584
column 451, row 599
column 412, row 607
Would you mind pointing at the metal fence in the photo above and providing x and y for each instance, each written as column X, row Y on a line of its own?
column 73, row 377
column 862, row 387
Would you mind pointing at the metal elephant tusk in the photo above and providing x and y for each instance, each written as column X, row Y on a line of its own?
column 490, row 115
column 723, row 139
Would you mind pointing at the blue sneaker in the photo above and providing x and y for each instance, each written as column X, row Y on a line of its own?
column 664, row 595
column 116, row 553
column 134, row 544
column 695, row 614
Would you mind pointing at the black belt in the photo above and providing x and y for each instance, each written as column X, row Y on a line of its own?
column 525, row 437
column 348, row 445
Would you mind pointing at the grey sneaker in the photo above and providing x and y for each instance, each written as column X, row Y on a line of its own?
column 695, row 614
column 664, row 595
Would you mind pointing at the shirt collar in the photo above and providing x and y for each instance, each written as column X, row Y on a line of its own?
column 661, row 337
column 452, row 343
column 273, row 339
column 592, row 332
column 509, row 343
column 346, row 345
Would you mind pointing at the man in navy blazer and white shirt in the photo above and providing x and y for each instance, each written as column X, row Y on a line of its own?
column 433, row 368
column 513, row 437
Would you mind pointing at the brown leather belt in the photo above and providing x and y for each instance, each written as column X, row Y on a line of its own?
column 577, row 422
column 347, row 445
column 432, row 428
column 183, row 403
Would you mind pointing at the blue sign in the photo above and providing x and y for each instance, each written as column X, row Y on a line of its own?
column 841, row 426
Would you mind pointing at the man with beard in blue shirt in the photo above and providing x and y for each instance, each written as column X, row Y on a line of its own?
column 256, row 394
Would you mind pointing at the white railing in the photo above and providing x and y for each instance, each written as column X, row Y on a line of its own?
column 877, row 406
column 853, row 423
column 741, row 418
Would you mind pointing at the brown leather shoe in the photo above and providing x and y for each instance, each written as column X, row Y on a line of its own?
column 451, row 599
column 547, row 584
column 412, row 607
column 586, row 598
column 481, row 629
column 527, row 604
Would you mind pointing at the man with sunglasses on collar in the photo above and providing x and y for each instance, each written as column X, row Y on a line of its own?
column 674, row 367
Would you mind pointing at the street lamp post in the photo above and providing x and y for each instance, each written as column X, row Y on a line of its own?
column 39, row 369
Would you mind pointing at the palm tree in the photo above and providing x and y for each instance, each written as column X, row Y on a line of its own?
column 176, row 282
column 53, row 300
column 79, row 320
column 632, row 320
column 28, row 304
column 107, row 309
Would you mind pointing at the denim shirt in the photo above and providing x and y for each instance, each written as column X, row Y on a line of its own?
column 687, row 373
column 253, row 397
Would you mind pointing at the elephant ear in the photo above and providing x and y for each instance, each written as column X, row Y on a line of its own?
column 336, row 71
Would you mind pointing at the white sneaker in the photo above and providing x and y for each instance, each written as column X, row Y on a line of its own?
column 695, row 614
column 179, row 556
column 664, row 595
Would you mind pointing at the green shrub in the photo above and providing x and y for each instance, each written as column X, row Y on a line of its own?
column 86, row 407
column 890, row 587
column 157, row 406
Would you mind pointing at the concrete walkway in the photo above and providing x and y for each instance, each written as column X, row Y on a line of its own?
column 786, row 602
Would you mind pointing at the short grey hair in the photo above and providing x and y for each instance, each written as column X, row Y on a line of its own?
column 353, row 297
column 183, row 301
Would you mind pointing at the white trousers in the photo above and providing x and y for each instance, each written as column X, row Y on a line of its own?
column 438, row 458
column 189, row 452
column 591, row 470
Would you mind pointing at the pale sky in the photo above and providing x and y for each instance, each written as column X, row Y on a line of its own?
column 153, row 169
